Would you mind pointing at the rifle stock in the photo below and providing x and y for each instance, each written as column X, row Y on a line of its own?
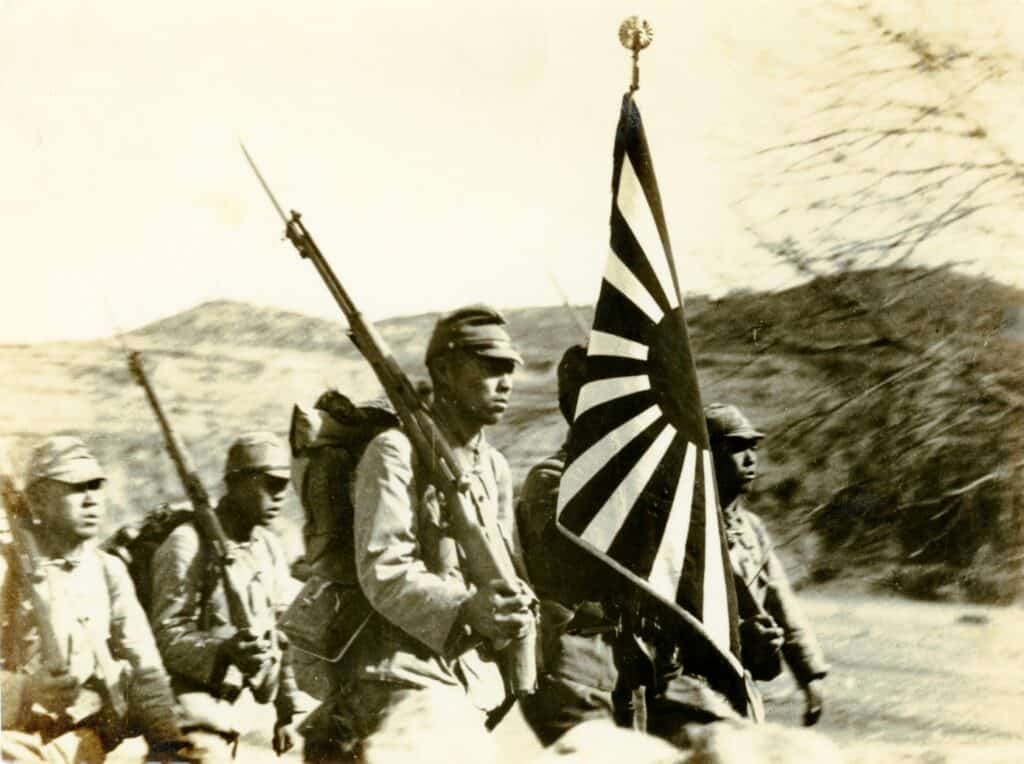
column 25, row 562
column 486, row 555
column 263, row 684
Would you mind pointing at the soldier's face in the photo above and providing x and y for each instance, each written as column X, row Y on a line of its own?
column 482, row 387
column 258, row 496
column 72, row 512
column 736, row 463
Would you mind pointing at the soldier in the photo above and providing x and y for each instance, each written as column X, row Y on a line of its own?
column 598, row 662
column 191, row 617
column 58, row 714
column 777, row 621
column 578, row 635
column 430, row 622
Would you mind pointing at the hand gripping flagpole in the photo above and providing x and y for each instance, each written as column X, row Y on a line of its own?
column 635, row 34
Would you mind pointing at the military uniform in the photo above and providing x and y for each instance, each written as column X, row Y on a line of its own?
column 410, row 569
column 578, row 669
column 756, row 564
column 410, row 572
column 773, row 622
column 191, row 619
column 94, row 608
column 594, row 661
column 95, row 602
column 192, row 622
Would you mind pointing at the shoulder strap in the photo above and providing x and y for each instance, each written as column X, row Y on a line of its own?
column 552, row 463
column 206, row 560
column 9, row 600
column 107, row 575
column 420, row 478
column 502, row 480
column 272, row 550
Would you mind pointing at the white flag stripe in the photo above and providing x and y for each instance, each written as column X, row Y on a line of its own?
column 587, row 464
column 604, row 390
column 608, row 521
column 668, row 563
column 634, row 208
column 602, row 343
column 716, row 602
column 622, row 278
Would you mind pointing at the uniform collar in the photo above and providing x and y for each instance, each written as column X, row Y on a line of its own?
column 733, row 515
column 68, row 562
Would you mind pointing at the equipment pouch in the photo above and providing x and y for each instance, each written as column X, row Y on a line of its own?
column 325, row 618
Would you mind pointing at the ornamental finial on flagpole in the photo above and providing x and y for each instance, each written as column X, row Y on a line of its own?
column 635, row 34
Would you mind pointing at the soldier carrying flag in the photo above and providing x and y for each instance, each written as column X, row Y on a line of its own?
column 636, row 488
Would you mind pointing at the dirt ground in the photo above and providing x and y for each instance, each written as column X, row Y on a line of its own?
column 915, row 681
column 910, row 682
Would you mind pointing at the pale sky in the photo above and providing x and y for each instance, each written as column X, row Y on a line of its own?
column 439, row 152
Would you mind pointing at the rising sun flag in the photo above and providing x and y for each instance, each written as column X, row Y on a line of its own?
column 638, row 490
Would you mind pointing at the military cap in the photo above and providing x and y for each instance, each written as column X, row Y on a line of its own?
column 64, row 458
column 571, row 376
column 726, row 421
column 258, row 452
column 478, row 329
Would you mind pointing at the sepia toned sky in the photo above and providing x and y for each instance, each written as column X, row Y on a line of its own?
column 439, row 152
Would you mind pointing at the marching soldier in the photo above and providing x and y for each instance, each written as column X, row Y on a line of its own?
column 191, row 617
column 430, row 623
column 69, row 712
column 598, row 661
column 577, row 632
column 778, row 622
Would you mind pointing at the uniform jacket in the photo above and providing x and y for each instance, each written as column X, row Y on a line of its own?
column 576, row 639
column 582, row 643
column 755, row 562
column 559, row 570
column 94, row 605
column 409, row 569
column 191, row 620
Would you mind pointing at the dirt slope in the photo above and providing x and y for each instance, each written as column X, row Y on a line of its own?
column 884, row 393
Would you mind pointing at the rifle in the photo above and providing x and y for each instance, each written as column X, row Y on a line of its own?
column 486, row 554
column 264, row 683
column 25, row 559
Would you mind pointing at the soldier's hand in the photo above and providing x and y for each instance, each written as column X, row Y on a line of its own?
column 765, row 631
column 285, row 736
column 55, row 691
column 173, row 752
column 761, row 640
column 247, row 651
column 814, row 702
column 499, row 611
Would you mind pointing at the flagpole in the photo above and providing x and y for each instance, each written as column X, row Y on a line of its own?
column 636, row 34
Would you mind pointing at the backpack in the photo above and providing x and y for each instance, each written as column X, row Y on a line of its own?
column 331, row 610
column 327, row 442
column 136, row 543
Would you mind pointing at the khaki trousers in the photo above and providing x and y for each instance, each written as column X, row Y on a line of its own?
column 211, row 747
column 80, row 746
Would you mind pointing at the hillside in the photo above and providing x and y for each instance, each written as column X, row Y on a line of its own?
column 891, row 399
